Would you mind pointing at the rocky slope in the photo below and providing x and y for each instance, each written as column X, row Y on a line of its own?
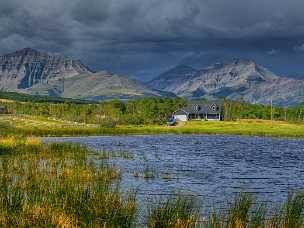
column 33, row 72
column 239, row 78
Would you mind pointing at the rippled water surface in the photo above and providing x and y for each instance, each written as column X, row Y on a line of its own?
column 212, row 167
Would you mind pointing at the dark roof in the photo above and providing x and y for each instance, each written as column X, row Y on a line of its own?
column 201, row 108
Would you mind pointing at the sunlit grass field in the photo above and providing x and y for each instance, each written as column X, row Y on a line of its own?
column 40, row 126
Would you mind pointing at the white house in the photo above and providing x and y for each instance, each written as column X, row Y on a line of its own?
column 200, row 111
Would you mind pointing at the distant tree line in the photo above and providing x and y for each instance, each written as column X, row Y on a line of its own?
column 145, row 111
column 239, row 109
column 142, row 111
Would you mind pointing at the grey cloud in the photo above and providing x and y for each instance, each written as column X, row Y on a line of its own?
column 141, row 21
column 299, row 47
column 119, row 33
column 273, row 52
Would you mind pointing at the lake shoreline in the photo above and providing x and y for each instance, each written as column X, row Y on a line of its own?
column 209, row 167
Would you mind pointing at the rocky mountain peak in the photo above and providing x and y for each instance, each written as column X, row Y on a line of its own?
column 233, row 79
column 28, row 67
column 27, row 51
column 39, row 73
column 24, row 52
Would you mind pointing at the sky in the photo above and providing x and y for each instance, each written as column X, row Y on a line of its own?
column 142, row 38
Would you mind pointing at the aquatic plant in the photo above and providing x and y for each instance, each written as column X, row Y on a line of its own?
column 144, row 157
column 115, row 154
column 136, row 173
column 54, row 184
column 292, row 212
column 167, row 176
column 148, row 173
column 180, row 211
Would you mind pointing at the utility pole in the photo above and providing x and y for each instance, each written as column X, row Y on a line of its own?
column 271, row 111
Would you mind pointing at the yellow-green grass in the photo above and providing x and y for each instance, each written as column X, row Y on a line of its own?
column 31, row 125
column 59, row 185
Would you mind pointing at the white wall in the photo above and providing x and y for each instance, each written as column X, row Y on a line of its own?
column 181, row 117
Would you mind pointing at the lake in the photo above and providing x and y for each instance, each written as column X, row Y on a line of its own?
column 214, row 168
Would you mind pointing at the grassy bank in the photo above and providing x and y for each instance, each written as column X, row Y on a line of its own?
column 62, row 185
column 38, row 126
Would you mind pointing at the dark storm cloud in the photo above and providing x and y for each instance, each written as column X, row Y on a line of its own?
column 159, row 20
column 34, row 23
column 120, row 33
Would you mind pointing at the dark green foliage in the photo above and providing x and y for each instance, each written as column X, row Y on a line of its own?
column 110, row 113
column 108, row 123
column 239, row 109
column 138, row 112
column 40, row 99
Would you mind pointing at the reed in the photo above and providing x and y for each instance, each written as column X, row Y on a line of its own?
column 174, row 212
column 148, row 173
column 59, row 185
column 291, row 213
column 69, row 185
column 115, row 154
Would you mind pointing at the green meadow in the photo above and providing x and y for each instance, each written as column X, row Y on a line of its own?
column 42, row 126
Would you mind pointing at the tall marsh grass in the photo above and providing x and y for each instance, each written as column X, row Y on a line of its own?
column 174, row 212
column 59, row 185
column 68, row 185
column 243, row 212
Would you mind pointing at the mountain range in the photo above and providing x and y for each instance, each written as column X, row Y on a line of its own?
column 33, row 72
column 237, row 79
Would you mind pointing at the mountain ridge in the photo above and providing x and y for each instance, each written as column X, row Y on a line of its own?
column 39, row 73
column 240, row 78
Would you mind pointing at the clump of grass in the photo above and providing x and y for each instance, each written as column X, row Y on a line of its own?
column 291, row 213
column 136, row 173
column 167, row 176
column 56, row 185
column 246, row 212
column 157, row 156
column 8, row 142
column 242, row 212
column 144, row 157
column 115, row 154
column 238, row 214
column 32, row 141
column 148, row 173
column 174, row 212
